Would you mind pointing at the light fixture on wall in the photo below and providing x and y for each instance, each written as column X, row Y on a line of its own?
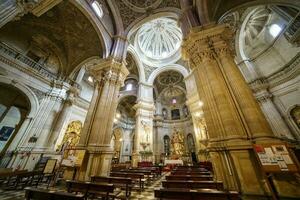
column 115, row 120
column 118, row 115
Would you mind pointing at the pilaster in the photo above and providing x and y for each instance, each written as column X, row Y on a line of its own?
column 143, row 138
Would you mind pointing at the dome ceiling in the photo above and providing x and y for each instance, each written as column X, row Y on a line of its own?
column 159, row 38
column 170, row 85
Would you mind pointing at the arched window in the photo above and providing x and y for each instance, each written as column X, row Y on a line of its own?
column 97, row 8
column 129, row 87
column 295, row 113
column 167, row 145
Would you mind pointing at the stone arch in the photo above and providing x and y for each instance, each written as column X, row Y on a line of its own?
column 175, row 67
column 244, row 4
column 103, row 35
column 32, row 98
column 84, row 64
column 139, row 63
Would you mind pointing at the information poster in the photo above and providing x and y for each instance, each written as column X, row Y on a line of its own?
column 5, row 133
column 50, row 166
column 275, row 158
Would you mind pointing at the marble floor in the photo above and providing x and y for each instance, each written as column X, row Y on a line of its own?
column 146, row 194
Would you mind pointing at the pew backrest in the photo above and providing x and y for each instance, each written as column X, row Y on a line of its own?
column 37, row 194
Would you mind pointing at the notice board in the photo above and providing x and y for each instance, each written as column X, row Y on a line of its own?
column 275, row 158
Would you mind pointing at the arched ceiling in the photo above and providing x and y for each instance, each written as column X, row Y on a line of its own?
column 214, row 9
column 63, row 31
column 132, row 66
column 169, row 85
column 130, row 10
column 125, row 107
column 11, row 94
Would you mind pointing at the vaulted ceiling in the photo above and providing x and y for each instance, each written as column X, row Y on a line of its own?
column 64, row 31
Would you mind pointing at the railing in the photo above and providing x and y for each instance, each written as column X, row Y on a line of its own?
column 7, row 50
column 39, row 68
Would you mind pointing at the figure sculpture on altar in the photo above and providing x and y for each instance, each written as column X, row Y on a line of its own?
column 178, row 143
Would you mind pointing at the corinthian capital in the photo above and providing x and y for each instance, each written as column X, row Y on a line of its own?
column 202, row 43
column 109, row 70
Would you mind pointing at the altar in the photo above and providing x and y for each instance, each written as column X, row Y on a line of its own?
column 173, row 162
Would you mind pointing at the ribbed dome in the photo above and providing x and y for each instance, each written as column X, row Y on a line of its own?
column 159, row 38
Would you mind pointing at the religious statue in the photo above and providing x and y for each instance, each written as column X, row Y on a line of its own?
column 71, row 137
column 177, row 143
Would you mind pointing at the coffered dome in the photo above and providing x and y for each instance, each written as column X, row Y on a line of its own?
column 159, row 38
column 158, row 41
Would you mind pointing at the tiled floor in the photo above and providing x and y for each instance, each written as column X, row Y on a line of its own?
column 147, row 194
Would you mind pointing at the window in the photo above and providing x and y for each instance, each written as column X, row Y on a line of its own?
column 275, row 30
column 97, row 8
column 174, row 101
column 129, row 87
column 175, row 114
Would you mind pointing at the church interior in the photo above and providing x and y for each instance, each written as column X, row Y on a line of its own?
column 150, row 99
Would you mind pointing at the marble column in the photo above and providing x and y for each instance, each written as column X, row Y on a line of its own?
column 233, row 117
column 72, row 94
column 108, row 75
column 143, row 137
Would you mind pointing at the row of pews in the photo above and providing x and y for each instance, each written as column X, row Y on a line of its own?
column 111, row 187
column 191, row 183
column 20, row 179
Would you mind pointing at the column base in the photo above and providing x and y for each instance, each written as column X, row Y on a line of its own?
column 238, row 168
column 96, row 163
column 135, row 159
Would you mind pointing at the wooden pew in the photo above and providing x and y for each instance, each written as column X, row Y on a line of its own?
column 136, row 177
column 147, row 173
column 191, row 169
column 193, row 184
column 190, row 178
column 38, row 194
column 201, row 194
column 104, row 190
column 192, row 173
column 123, row 183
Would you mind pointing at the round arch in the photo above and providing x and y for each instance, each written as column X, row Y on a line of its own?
column 103, row 35
column 138, row 62
column 33, row 100
column 236, row 6
column 87, row 62
column 175, row 67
